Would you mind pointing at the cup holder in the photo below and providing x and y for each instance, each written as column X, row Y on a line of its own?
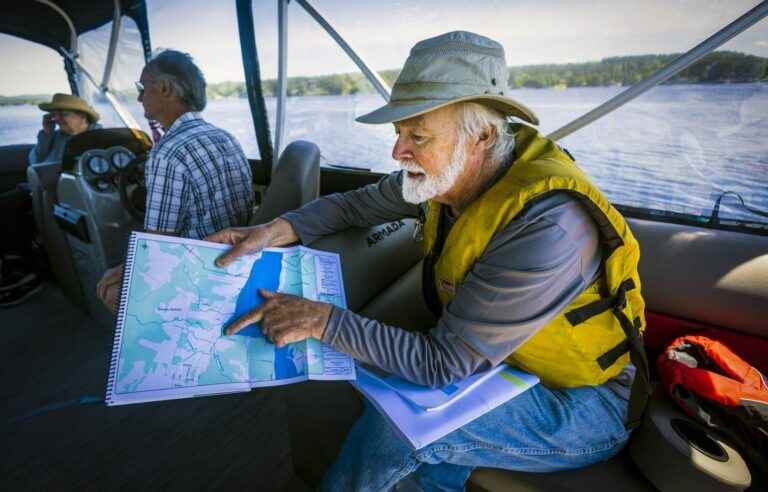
column 699, row 439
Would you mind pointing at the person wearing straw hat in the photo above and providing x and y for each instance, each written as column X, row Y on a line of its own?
column 19, row 276
column 526, row 262
column 72, row 115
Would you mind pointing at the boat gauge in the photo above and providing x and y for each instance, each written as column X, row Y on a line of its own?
column 120, row 157
column 98, row 164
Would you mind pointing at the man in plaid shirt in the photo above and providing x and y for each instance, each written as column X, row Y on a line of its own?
column 198, row 180
column 197, row 176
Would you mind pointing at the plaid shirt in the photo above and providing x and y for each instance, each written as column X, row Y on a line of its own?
column 198, row 180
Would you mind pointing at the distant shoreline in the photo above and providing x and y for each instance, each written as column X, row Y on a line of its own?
column 216, row 97
column 720, row 67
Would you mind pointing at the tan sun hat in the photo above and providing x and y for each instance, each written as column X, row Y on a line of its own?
column 68, row 102
column 453, row 67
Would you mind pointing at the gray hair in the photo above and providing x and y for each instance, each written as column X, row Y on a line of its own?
column 475, row 118
column 185, row 77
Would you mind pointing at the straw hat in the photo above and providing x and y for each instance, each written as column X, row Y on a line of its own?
column 453, row 67
column 67, row 102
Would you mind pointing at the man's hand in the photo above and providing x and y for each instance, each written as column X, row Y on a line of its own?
column 285, row 318
column 48, row 124
column 108, row 288
column 246, row 240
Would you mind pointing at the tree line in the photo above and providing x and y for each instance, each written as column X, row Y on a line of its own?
column 716, row 67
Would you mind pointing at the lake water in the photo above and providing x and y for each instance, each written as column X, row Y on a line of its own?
column 675, row 148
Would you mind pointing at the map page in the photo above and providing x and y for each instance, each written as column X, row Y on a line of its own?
column 175, row 303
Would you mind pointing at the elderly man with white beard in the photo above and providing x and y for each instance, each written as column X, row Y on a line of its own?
column 526, row 262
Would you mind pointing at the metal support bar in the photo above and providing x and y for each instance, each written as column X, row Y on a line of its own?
column 138, row 12
column 282, row 79
column 253, row 83
column 373, row 77
column 680, row 63
column 68, row 66
column 124, row 115
column 117, row 22
column 68, row 20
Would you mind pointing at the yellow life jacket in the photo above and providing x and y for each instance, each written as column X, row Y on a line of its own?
column 589, row 341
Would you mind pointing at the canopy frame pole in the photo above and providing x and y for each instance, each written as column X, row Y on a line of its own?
column 682, row 62
column 253, row 85
column 71, row 69
column 373, row 77
column 282, row 79
column 117, row 23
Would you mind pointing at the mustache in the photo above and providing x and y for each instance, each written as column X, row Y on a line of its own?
column 412, row 166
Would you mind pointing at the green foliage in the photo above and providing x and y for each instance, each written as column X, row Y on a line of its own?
column 226, row 89
column 717, row 67
column 28, row 99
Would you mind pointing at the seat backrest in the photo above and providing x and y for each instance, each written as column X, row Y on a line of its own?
column 712, row 276
column 13, row 165
column 373, row 259
column 43, row 179
column 295, row 181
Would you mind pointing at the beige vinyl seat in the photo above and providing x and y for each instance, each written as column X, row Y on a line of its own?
column 43, row 180
column 383, row 281
column 295, row 181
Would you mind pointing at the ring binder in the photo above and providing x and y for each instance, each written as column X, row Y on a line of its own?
column 120, row 321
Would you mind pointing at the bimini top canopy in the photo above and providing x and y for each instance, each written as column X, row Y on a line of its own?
column 42, row 21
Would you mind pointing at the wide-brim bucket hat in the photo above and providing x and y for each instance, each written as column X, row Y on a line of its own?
column 454, row 67
column 68, row 102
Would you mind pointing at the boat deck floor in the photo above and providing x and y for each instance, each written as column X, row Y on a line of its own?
column 53, row 354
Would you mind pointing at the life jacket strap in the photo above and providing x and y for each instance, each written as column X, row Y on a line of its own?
column 633, row 343
column 641, row 386
column 583, row 313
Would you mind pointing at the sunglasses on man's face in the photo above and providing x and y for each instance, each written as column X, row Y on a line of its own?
column 140, row 88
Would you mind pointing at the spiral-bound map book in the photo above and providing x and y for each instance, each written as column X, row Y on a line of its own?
column 175, row 303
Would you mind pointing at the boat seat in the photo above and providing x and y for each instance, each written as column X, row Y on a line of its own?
column 295, row 181
column 402, row 304
column 13, row 165
column 620, row 472
column 95, row 222
column 43, row 179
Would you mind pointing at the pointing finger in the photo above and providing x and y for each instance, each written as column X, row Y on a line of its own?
column 245, row 320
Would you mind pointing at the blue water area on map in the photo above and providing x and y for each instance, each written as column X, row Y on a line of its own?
column 265, row 274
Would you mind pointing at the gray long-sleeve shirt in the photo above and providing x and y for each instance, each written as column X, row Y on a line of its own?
column 50, row 146
column 531, row 270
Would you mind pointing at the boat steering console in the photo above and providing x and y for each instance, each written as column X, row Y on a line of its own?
column 100, row 200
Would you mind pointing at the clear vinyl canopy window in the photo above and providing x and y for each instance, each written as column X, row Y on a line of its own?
column 677, row 148
column 93, row 48
column 31, row 74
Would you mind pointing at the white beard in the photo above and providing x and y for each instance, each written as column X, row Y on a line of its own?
column 419, row 190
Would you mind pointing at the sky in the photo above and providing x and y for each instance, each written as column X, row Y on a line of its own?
column 383, row 31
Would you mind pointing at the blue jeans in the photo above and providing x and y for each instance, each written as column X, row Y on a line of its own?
column 541, row 430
